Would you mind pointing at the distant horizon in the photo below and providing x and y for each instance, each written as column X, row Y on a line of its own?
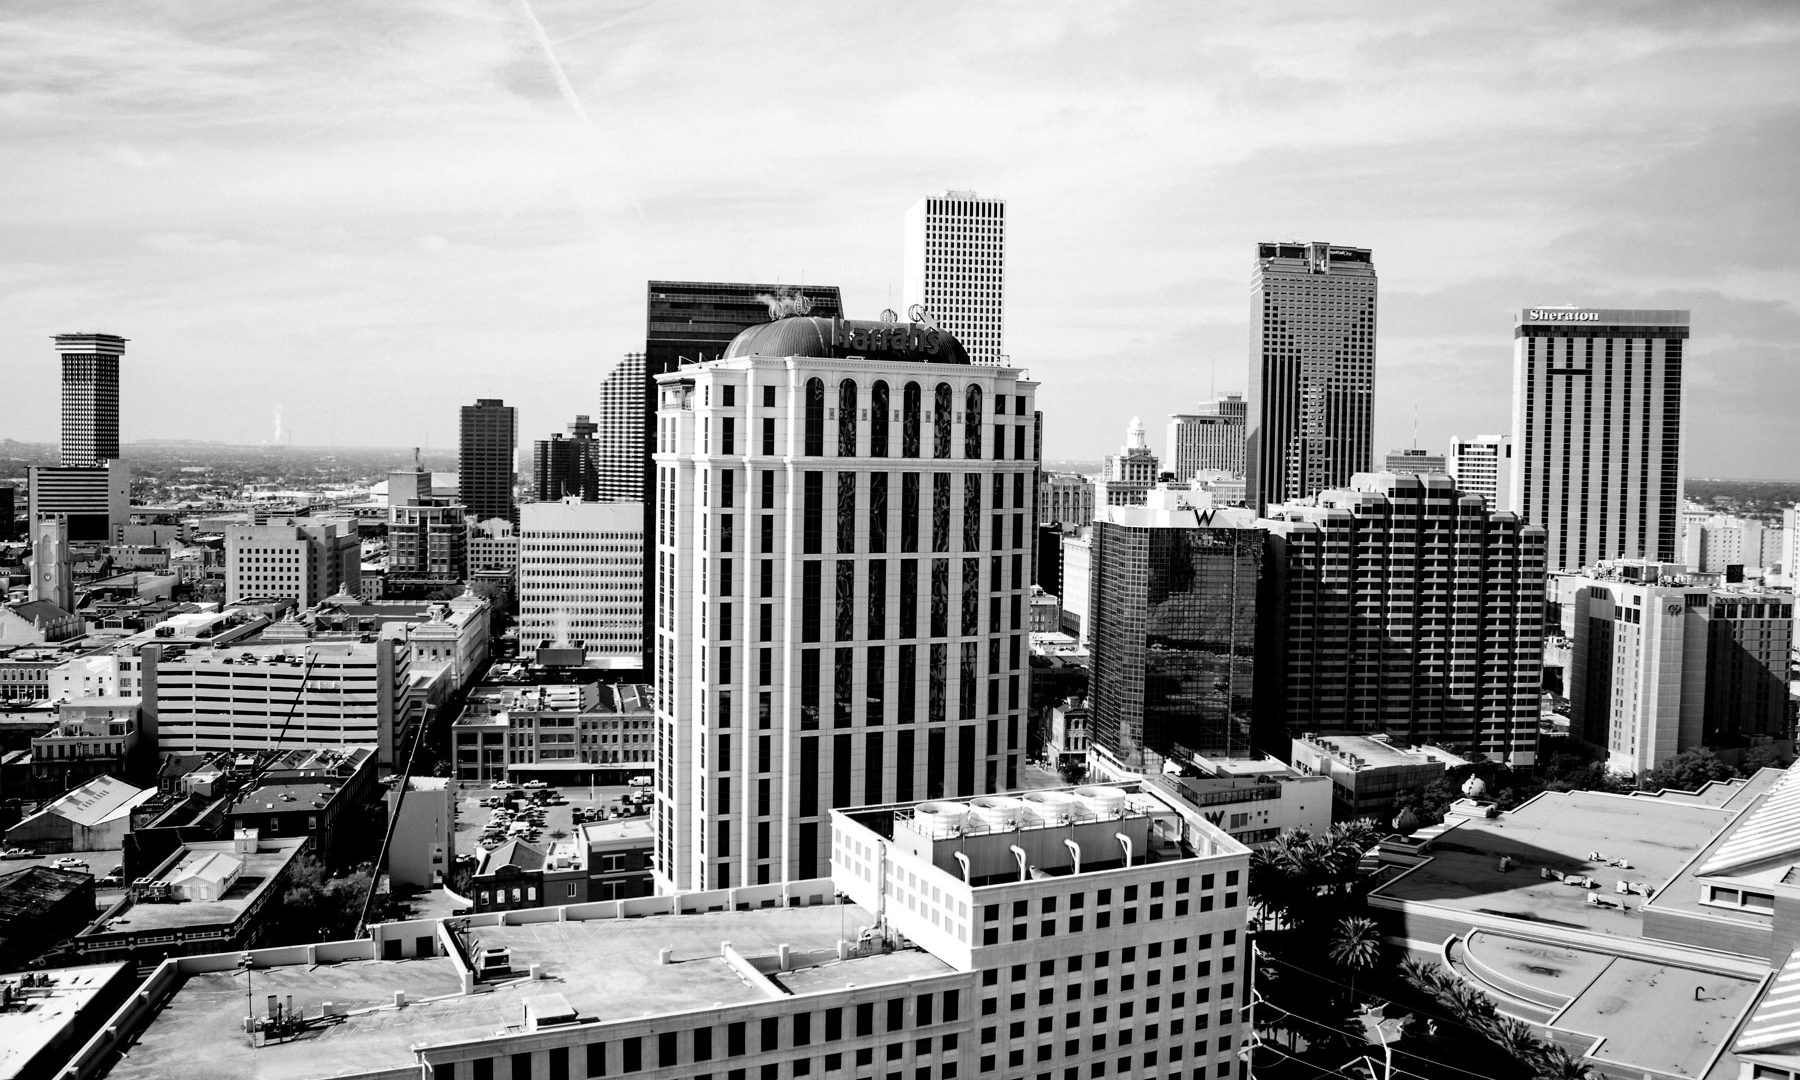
column 407, row 450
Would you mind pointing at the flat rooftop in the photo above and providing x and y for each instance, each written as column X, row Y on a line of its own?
column 260, row 869
column 1645, row 1015
column 27, row 1028
column 1377, row 753
column 606, row 969
column 1560, row 830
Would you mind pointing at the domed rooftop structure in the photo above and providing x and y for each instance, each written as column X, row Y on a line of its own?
column 810, row 335
column 1474, row 787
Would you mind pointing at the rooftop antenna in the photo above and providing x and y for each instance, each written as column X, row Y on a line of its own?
column 1415, row 444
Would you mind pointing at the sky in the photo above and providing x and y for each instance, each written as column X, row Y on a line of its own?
column 334, row 223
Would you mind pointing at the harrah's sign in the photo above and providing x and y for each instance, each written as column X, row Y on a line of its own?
column 1553, row 315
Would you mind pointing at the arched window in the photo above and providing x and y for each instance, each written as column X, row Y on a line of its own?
column 972, row 424
column 815, row 418
column 847, row 418
column 909, row 420
column 878, row 420
column 940, row 418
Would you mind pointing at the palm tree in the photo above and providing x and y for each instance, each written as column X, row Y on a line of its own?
column 1516, row 1039
column 1555, row 1063
column 1355, row 946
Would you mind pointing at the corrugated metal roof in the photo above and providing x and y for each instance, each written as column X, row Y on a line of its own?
column 1767, row 832
column 1776, row 1021
column 98, row 800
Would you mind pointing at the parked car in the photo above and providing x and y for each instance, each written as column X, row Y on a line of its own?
column 530, row 785
column 115, row 876
column 17, row 853
column 69, row 862
column 501, row 785
column 639, row 781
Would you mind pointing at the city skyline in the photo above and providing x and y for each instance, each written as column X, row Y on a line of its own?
column 491, row 172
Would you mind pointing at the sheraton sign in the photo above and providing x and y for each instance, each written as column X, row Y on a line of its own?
column 1561, row 315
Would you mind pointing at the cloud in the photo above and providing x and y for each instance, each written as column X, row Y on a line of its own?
column 391, row 201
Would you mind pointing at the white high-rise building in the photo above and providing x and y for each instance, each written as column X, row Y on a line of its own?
column 619, row 458
column 1211, row 439
column 1597, row 431
column 956, row 269
column 581, row 573
column 1480, row 467
column 287, row 558
column 842, row 542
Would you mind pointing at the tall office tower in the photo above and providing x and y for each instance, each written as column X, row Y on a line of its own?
column 580, row 597
column 619, row 455
column 95, row 498
column 1480, row 467
column 842, row 543
column 486, row 467
column 1402, row 605
column 52, row 573
column 1129, row 474
column 956, row 269
column 9, row 525
column 1174, row 633
column 90, row 397
column 1312, row 370
column 306, row 562
column 691, row 322
column 1212, row 439
column 1412, row 460
column 1663, row 663
column 564, row 468
column 1597, row 431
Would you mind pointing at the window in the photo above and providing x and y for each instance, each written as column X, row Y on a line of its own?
column 940, row 419
column 814, row 432
column 878, row 420
column 847, row 418
column 909, row 420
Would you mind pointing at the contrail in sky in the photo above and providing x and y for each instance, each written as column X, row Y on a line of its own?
column 556, row 68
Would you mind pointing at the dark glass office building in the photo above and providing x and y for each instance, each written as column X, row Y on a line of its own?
column 486, row 469
column 1174, row 639
column 688, row 322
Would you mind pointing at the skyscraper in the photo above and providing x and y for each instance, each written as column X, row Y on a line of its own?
column 1662, row 663
column 1212, row 438
column 486, row 467
column 1312, row 370
column 619, row 454
column 842, row 545
column 90, row 397
column 691, row 322
column 579, row 584
column 1174, row 632
column 1480, row 466
column 1597, row 431
column 956, row 269
column 567, row 468
column 1402, row 605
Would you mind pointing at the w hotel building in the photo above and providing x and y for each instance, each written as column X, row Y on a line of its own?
column 1597, row 432
column 842, row 545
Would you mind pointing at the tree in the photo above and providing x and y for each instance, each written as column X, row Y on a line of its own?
column 318, row 907
column 1073, row 771
column 1355, row 947
column 1687, row 771
column 1762, row 757
column 1555, row 1063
